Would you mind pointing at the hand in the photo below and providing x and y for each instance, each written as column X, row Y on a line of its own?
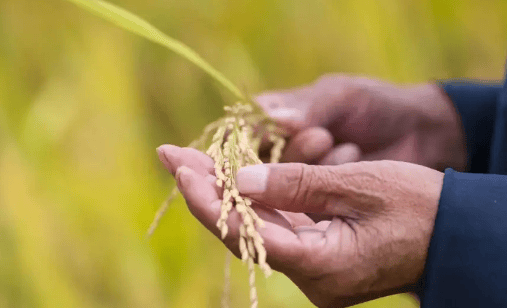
column 366, row 119
column 375, row 243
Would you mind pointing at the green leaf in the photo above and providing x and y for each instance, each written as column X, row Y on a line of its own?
column 130, row 22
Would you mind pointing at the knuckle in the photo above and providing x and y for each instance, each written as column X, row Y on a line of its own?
column 326, row 179
column 331, row 79
column 270, row 100
column 296, row 179
column 313, row 186
column 338, row 87
column 306, row 187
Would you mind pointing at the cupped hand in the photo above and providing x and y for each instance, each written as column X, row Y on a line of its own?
column 374, row 244
column 342, row 119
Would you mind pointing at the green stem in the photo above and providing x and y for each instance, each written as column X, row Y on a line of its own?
column 130, row 22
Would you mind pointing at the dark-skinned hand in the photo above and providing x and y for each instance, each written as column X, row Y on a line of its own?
column 341, row 118
column 374, row 241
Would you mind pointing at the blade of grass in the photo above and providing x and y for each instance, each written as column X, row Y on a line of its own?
column 130, row 22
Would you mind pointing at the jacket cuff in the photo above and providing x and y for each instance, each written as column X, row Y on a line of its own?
column 476, row 103
column 466, row 259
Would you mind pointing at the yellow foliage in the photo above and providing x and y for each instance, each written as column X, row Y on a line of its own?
column 83, row 105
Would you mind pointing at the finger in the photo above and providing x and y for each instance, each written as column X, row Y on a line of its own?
column 295, row 187
column 289, row 109
column 311, row 235
column 291, row 122
column 280, row 186
column 288, row 132
column 282, row 246
column 318, row 217
column 297, row 219
column 308, row 146
column 290, row 106
column 290, row 118
column 173, row 157
column 402, row 151
column 341, row 154
column 212, row 180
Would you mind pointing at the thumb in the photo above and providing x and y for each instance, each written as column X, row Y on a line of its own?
column 295, row 187
column 285, row 108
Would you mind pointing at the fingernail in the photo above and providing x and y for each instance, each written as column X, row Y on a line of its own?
column 286, row 114
column 167, row 148
column 270, row 101
column 252, row 179
column 163, row 159
column 163, row 151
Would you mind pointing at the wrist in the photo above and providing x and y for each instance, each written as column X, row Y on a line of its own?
column 439, row 129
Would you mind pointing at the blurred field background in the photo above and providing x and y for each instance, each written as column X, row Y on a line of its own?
column 83, row 105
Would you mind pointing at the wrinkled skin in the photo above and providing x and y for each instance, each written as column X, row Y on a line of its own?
column 340, row 119
column 374, row 242
column 358, row 226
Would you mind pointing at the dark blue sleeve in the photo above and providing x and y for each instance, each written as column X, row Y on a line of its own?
column 476, row 103
column 467, row 258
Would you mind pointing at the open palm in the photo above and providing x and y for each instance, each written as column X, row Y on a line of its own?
column 361, row 252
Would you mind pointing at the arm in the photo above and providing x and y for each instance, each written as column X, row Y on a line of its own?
column 477, row 106
column 466, row 265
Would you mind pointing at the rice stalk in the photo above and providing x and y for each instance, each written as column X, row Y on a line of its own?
column 235, row 142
